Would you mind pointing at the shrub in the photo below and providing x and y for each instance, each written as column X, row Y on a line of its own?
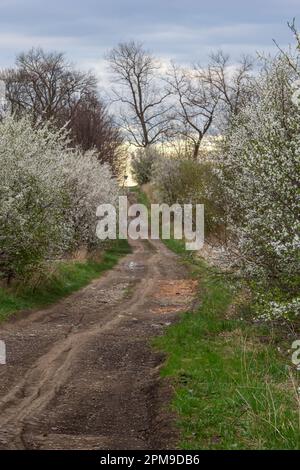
column 48, row 195
column 187, row 181
column 260, row 173
column 142, row 164
column 165, row 176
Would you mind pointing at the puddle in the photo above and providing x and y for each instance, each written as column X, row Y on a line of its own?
column 133, row 266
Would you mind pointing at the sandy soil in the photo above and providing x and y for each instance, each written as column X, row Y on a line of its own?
column 82, row 375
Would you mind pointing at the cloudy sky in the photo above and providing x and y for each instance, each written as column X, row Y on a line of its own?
column 183, row 30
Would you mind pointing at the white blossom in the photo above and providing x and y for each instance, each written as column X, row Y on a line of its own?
column 49, row 193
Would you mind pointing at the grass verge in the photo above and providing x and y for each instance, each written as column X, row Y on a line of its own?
column 234, row 386
column 69, row 277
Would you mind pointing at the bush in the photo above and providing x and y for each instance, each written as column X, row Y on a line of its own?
column 187, row 181
column 87, row 185
column 48, row 195
column 142, row 164
column 165, row 176
column 260, row 173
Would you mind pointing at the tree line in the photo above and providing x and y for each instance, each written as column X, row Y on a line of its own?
column 156, row 106
column 159, row 105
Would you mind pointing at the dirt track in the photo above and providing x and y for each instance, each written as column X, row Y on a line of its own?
column 82, row 375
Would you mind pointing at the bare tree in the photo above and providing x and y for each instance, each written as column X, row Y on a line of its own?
column 232, row 83
column 49, row 88
column 144, row 109
column 46, row 85
column 196, row 104
column 91, row 126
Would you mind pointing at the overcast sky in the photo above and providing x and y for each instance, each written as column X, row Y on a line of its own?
column 184, row 30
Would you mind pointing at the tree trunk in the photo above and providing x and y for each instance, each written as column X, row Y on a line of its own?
column 196, row 150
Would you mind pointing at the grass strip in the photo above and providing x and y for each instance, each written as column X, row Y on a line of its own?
column 69, row 277
column 234, row 383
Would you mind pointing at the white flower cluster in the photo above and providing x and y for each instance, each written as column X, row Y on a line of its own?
column 49, row 193
column 277, row 310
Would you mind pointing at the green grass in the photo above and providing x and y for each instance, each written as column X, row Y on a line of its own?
column 178, row 246
column 234, row 383
column 233, row 389
column 140, row 195
column 69, row 277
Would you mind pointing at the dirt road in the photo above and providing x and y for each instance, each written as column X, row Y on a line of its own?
column 82, row 375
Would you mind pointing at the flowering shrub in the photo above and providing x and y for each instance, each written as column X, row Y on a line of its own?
column 48, row 195
column 276, row 310
column 252, row 188
column 260, row 173
column 88, row 184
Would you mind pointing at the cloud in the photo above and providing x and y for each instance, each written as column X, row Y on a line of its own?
column 15, row 41
column 186, row 31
